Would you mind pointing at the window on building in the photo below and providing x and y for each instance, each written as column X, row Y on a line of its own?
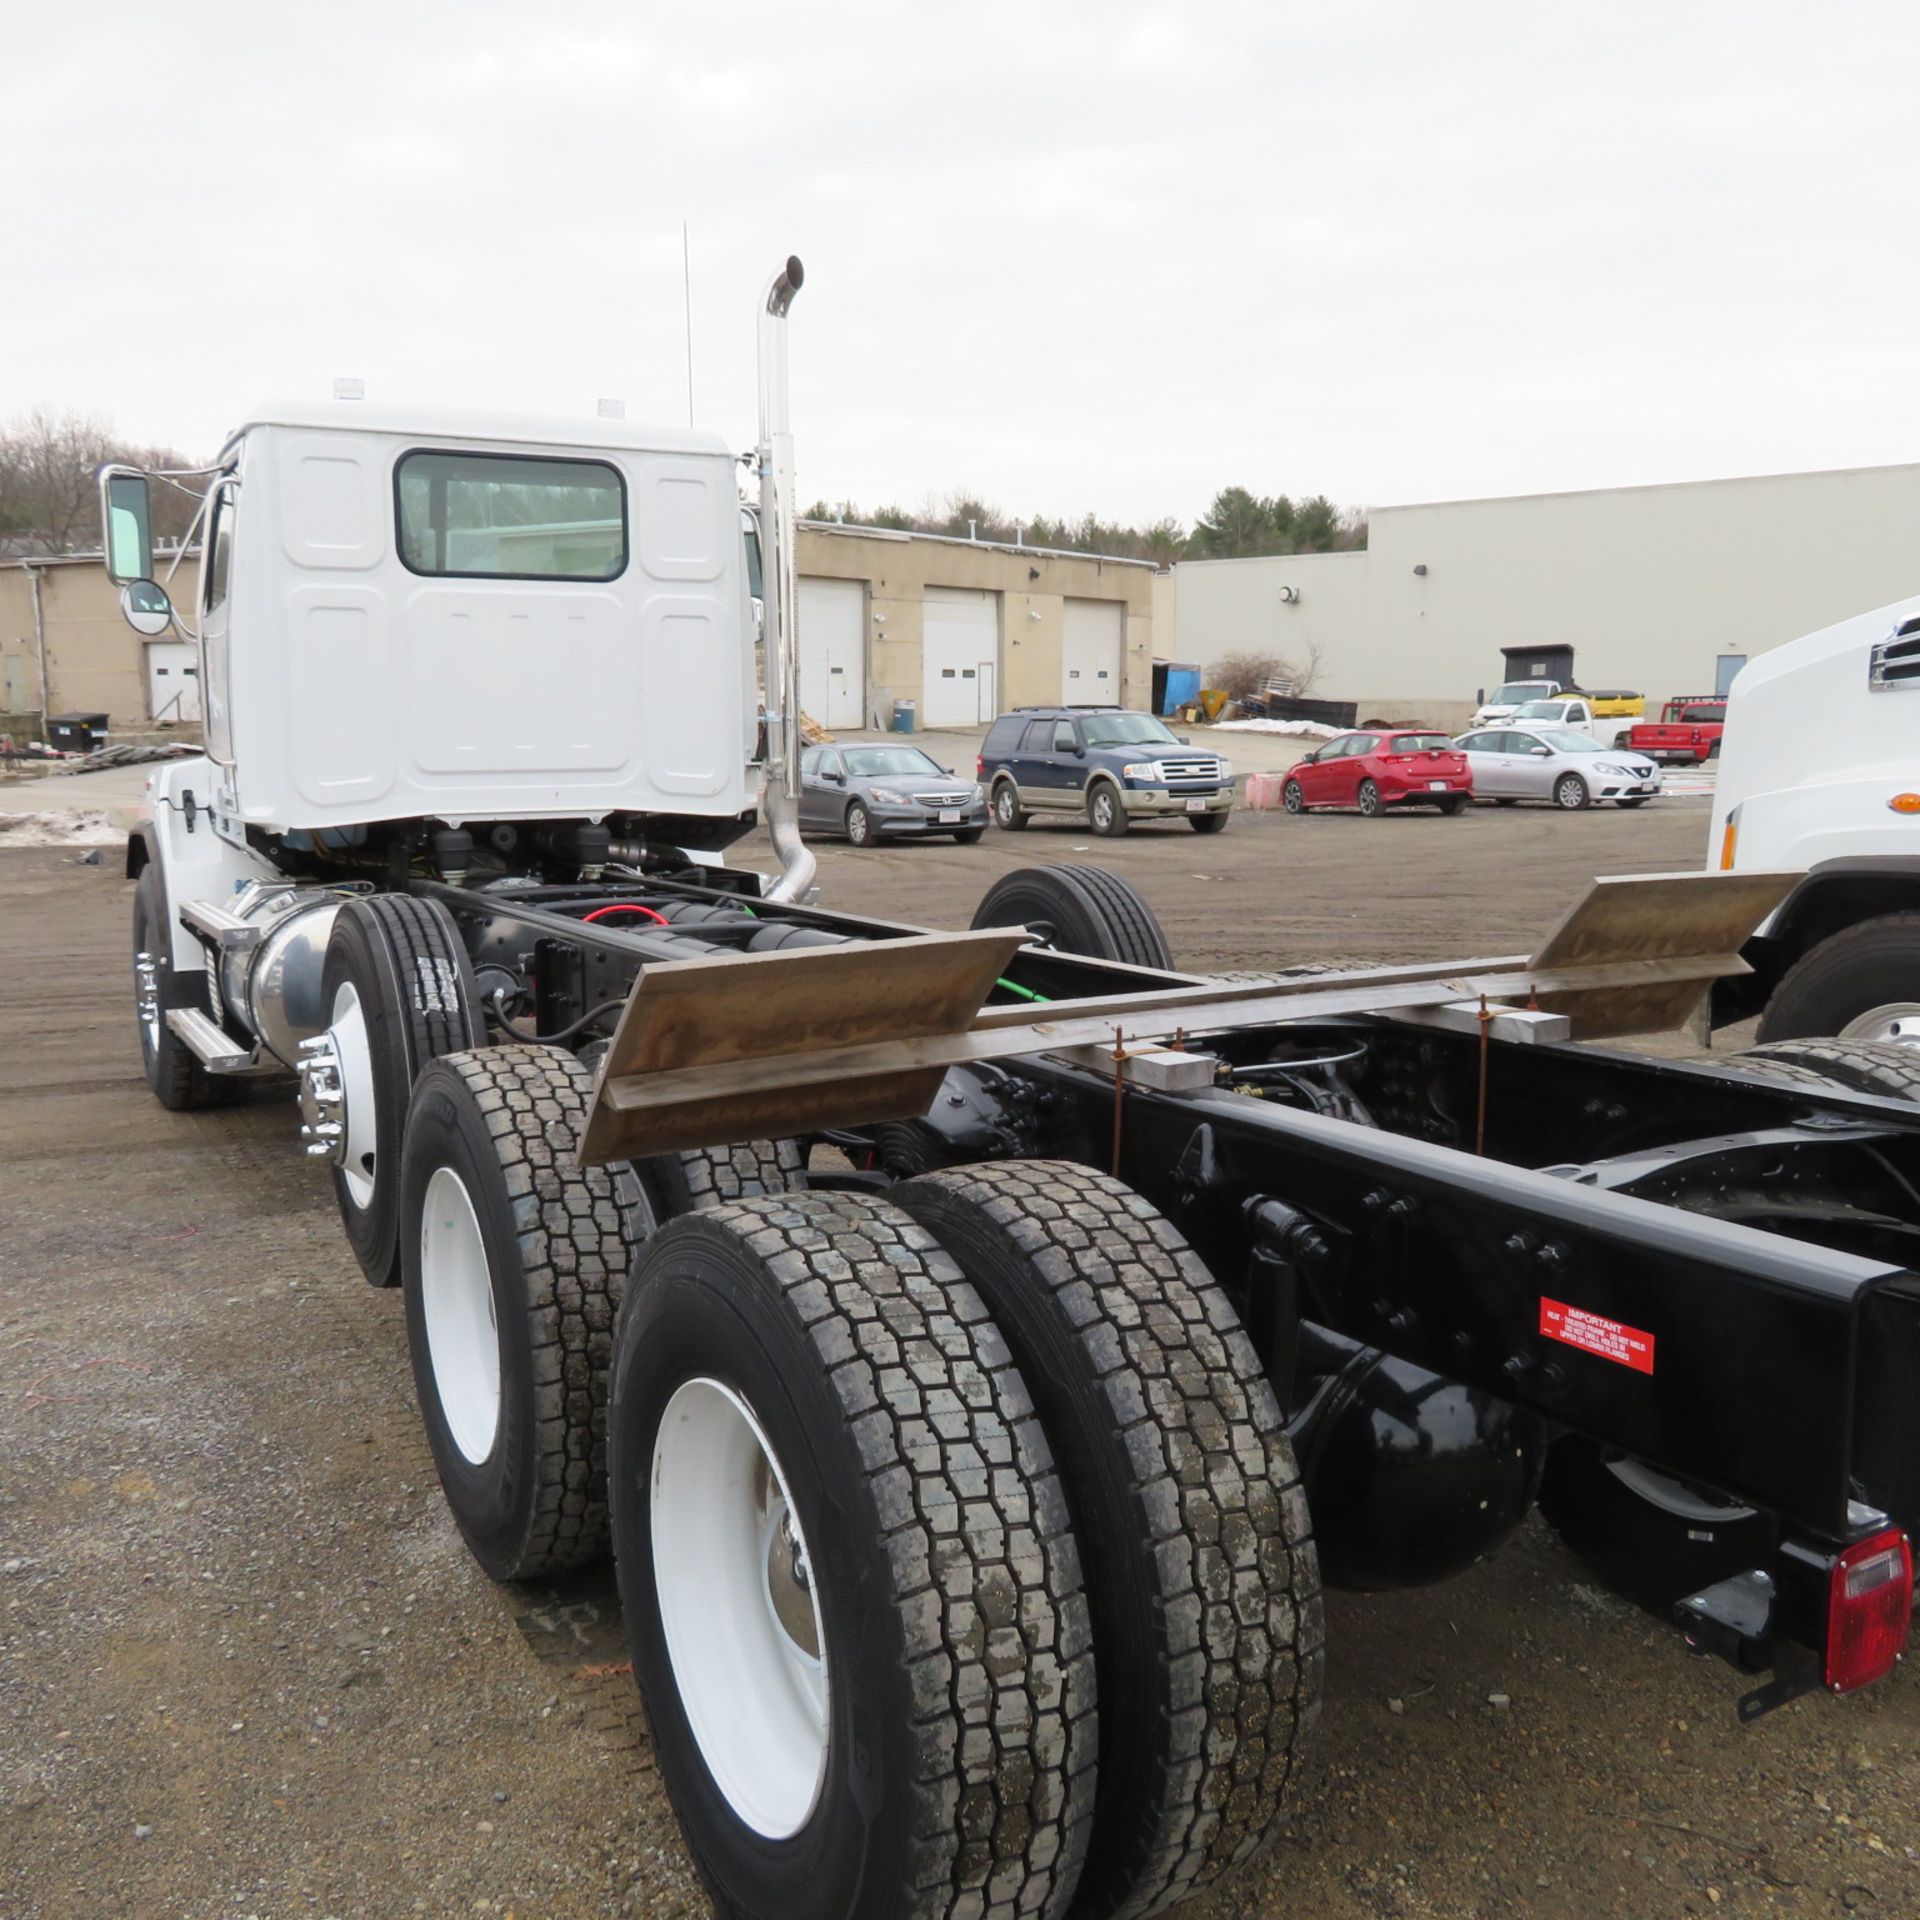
column 494, row 516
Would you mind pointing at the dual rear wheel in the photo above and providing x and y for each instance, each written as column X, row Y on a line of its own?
column 963, row 1555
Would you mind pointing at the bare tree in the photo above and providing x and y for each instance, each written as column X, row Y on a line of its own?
column 49, row 467
column 1245, row 674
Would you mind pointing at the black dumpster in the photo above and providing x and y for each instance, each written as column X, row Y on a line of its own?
column 76, row 732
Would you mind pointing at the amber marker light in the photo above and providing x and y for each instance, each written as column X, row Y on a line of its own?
column 1905, row 803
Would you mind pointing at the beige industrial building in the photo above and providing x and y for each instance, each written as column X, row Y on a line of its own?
column 1666, row 590
column 964, row 628
column 61, row 630
column 960, row 628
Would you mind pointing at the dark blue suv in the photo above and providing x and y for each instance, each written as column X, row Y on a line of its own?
column 1107, row 765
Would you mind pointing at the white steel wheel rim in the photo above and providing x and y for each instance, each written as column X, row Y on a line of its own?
column 1896, row 1020
column 1675, row 1496
column 358, row 1161
column 739, row 1608
column 456, row 1302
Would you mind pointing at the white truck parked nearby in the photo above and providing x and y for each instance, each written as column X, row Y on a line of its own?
column 1820, row 775
column 971, row 1494
column 1575, row 711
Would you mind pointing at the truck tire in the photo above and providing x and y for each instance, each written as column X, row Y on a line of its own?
column 1106, row 811
column 514, row 1263
column 1209, row 822
column 848, row 1575
column 707, row 1177
column 1083, row 910
column 177, row 1079
column 1862, row 983
column 1888, row 1068
column 1193, row 1528
column 400, row 993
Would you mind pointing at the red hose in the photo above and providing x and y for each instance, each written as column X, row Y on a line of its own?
column 625, row 906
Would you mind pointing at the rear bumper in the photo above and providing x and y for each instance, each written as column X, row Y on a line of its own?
column 1413, row 793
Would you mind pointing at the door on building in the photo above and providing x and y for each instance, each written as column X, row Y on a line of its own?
column 832, row 621
column 961, row 638
column 173, row 681
column 1724, row 669
column 1091, row 641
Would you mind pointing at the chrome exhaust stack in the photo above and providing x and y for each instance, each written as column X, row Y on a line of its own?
column 774, row 456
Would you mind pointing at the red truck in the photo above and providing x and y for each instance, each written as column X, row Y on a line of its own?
column 1687, row 732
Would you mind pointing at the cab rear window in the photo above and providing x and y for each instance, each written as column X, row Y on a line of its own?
column 495, row 516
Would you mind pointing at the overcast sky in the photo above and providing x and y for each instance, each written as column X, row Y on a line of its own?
column 1071, row 257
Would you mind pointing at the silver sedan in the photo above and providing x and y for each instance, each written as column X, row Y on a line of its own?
column 870, row 793
column 1571, row 769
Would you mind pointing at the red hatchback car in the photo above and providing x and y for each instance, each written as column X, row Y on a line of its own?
column 1377, row 770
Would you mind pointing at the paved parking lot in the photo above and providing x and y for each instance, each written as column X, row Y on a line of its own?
column 246, row 1667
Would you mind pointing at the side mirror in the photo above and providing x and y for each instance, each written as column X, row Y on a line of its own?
column 837, row 779
column 1183, row 739
column 126, row 520
column 145, row 607
column 1540, row 753
column 1079, row 753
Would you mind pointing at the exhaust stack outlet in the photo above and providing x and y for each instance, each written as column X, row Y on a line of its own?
column 774, row 458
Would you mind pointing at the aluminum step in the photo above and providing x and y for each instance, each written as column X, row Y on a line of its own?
column 215, row 1049
column 227, row 929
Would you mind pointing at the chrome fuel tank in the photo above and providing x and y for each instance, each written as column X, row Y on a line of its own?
column 273, row 985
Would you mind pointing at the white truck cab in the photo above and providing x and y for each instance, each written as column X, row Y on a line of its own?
column 417, row 614
column 1820, row 773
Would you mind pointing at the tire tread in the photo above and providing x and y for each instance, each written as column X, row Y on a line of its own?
column 961, row 1480
column 1224, row 1535
column 576, row 1231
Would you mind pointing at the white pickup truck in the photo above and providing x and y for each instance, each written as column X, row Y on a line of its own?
column 1820, row 773
column 1576, row 711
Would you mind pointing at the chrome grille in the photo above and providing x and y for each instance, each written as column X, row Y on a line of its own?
column 1199, row 767
column 1896, row 662
column 943, row 799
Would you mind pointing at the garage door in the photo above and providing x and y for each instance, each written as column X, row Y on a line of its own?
column 832, row 622
column 173, row 680
column 962, row 630
column 1090, row 646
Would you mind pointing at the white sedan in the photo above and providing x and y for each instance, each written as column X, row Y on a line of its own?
column 1571, row 769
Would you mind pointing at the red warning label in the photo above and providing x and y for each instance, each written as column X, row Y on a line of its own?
column 1595, row 1333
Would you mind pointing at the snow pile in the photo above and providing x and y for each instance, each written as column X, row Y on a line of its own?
column 64, row 827
column 1305, row 729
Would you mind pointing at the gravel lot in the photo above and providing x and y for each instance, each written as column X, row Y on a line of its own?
column 247, row 1669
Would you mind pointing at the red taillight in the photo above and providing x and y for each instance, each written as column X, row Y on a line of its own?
column 979, row 766
column 1869, row 1606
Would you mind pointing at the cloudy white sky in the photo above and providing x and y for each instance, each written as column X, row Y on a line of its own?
column 1071, row 256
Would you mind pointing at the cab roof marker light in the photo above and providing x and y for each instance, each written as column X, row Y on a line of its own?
column 1869, row 1608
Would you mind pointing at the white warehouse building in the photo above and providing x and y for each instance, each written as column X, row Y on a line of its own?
column 1664, row 590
